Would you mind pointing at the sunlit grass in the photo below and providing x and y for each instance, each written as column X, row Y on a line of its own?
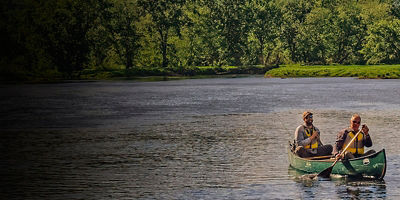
column 360, row 71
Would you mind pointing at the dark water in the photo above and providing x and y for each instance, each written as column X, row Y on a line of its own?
column 219, row 138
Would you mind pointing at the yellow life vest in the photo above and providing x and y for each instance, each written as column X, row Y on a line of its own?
column 358, row 146
column 313, row 144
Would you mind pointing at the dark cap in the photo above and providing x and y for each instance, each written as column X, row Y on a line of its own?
column 306, row 113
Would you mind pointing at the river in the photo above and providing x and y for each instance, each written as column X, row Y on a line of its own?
column 218, row 138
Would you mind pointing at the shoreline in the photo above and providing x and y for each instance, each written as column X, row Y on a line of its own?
column 282, row 71
column 357, row 71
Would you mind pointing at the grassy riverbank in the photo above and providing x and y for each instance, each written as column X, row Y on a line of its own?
column 360, row 71
column 159, row 74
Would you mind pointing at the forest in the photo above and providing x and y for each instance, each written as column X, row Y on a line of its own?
column 67, row 38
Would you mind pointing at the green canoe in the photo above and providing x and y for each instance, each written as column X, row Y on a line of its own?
column 372, row 166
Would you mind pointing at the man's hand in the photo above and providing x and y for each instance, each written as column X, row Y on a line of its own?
column 365, row 129
column 339, row 156
column 314, row 135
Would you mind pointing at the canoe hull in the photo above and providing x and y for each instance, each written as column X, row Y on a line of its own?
column 373, row 165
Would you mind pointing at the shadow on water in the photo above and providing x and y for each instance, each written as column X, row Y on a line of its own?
column 343, row 186
column 174, row 78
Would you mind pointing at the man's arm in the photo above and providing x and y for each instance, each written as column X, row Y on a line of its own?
column 339, row 141
column 299, row 137
column 367, row 138
column 368, row 141
column 319, row 137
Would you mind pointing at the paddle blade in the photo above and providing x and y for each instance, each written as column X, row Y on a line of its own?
column 326, row 173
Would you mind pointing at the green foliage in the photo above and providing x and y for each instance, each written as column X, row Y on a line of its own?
column 77, row 38
column 65, row 26
column 100, row 35
column 22, row 56
column 394, row 8
column 264, row 24
column 228, row 18
column 201, row 38
column 383, row 42
column 167, row 16
column 294, row 14
column 124, row 31
column 347, row 34
column 314, row 36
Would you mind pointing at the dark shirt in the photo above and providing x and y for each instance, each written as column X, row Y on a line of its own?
column 341, row 137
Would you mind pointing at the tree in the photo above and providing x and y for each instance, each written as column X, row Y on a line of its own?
column 347, row 33
column 265, row 23
column 166, row 16
column 208, row 46
column 383, row 42
column 230, row 17
column 65, row 25
column 187, row 48
column 125, row 33
column 313, row 36
column 21, row 54
column 293, row 17
column 100, row 34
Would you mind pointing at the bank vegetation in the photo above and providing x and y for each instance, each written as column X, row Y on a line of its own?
column 359, row 71
column 68, row 39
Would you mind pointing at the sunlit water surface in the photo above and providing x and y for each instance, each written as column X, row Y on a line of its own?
column 222, row 138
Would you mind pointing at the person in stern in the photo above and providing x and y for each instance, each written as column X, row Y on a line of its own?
column 307, row 139
column 356, row 149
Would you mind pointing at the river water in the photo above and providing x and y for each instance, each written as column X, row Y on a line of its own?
column 221, row 138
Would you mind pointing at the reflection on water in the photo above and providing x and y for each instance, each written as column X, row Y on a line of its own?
column 345, row 187
column 301, row 177
column 191, row 139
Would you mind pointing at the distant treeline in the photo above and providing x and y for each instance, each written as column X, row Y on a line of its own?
column 42, row 38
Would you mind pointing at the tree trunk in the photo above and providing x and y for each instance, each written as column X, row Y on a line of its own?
column 164, row 55
column 262, row 50
column 163, row 46
column 129, row 62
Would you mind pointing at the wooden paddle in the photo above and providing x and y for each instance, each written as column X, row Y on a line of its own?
column 327, row 172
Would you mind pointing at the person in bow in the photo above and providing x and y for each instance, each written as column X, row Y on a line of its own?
column 308, row 139
column 356, row 149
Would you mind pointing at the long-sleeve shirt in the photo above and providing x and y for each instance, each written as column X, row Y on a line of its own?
column 341, row 137
column 302, row 140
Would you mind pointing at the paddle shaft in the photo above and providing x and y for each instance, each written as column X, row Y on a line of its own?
column 348, row 145
column 326, row 173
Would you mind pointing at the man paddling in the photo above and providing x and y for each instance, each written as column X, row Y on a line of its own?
column 357, row 148
column 307, row 138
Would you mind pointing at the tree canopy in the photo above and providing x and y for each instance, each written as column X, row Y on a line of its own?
column 64, row 37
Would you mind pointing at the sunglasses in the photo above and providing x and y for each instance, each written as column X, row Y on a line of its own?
column 309, row 117
column 356, row 122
